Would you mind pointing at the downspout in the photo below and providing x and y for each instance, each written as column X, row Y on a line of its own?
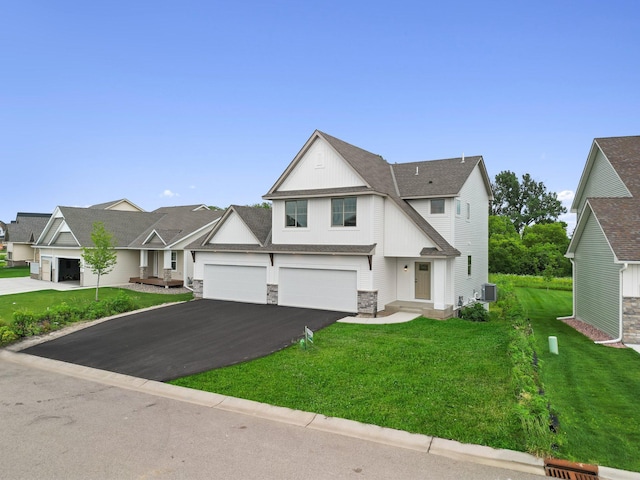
column 573, row 279
column 604, row 342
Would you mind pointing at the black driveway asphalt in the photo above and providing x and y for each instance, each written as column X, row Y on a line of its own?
column 178, row 340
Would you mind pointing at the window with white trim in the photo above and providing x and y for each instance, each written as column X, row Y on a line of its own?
column 344, row 212
column 295, row 212
column 468, row 211
column 458, row 207
column 437, row 206
column 468, row 264
column 174, row 261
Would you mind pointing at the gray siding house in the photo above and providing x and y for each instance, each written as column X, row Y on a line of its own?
column 605, row 248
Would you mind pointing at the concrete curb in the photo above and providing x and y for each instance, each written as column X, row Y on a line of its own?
column 507, row 459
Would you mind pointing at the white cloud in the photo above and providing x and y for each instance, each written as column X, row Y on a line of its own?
column 566, row 196
column 169, row 194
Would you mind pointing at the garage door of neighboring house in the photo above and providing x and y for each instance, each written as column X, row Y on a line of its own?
column 46, row 269
column 314, row 288
column 239, row 283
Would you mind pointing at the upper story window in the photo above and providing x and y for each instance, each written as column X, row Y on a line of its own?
column 343, row 212
column 458, row 207
column 468, row 211
column 437, row 206
column 295, row 212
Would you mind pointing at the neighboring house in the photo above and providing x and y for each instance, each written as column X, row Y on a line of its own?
column 350, row 232
column 605, row 247
column 149, row 245
column 20, row 236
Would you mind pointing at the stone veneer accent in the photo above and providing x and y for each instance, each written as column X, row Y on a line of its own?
column 631, row 320
column 144, row 272
column 197, row 288
column 368, row 303
column 166, row 274
column 272, row 294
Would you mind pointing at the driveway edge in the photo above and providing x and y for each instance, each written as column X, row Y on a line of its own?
column 501, row 458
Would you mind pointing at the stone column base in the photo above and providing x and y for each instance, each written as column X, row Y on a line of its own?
column 166, row 274
column 144, row 272
column 631, row 320
column 272, row 294
column 368, row 303
column 197, row 288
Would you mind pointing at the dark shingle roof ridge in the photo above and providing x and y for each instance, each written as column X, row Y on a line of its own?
column 32, row 214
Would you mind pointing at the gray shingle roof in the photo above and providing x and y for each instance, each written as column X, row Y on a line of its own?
column 620, row 221
column 434, row 178
column 27, row 227
column 293, row 248
column 131, row 229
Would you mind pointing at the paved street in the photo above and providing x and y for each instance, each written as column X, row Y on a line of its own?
column 60, row 427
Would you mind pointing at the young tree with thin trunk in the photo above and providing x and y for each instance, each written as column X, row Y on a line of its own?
column 102, row 257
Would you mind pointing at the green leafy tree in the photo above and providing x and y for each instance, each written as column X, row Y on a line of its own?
column 266, row 205
column 102, row 257
column 524, row 202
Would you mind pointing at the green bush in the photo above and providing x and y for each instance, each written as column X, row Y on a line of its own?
column 474, row 312
column 7, row 335
column 24, row 323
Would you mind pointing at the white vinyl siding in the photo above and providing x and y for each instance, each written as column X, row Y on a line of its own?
column 316, row 288
column 603, row 181
column 471, row 239
column 597, row 280
column 402, row 238
column 631, row 281
column 234, row 230
column 238, row 283
column 321, row 167
column 442, row 223
column 319, row 230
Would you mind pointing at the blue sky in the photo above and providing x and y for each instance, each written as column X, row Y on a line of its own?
column 169, row 103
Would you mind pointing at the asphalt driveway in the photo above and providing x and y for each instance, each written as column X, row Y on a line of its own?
column 178, row 340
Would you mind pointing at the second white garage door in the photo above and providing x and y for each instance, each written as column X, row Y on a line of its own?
column 324, row 289
column 239, row 283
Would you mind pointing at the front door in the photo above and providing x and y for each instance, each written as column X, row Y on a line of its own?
column 423, row 280
column 46, row 270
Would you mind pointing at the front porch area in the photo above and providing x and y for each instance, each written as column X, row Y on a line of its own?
column 159, row 282
column 423, row 308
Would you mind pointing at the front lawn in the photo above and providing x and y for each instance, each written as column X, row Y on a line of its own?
column 40, row 301
column 449, row 379
column 14, row 272
column 594, row 389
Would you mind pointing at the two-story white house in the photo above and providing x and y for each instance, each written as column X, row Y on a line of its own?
column 350, row 232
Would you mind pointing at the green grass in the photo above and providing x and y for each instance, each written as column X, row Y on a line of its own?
column 450, row 379
column 39, row 301
column 532, row 281
column 14, row 272
column 594, row 389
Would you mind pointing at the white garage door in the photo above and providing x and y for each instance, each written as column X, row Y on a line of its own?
column 324, row 289
column 239, row 283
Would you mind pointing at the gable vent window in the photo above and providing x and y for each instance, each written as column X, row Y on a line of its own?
column 295, row 213
column 343, row 212
column 437, row 206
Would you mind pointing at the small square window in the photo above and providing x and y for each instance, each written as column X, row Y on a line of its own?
column 437, row 206
column 295, row 212
column 344, row 212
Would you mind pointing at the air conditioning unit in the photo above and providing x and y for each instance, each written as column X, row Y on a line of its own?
column 489, row 292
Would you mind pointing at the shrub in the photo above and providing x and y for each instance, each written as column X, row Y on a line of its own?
column 24, row 323
column 474, row 312
column 7, row 335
